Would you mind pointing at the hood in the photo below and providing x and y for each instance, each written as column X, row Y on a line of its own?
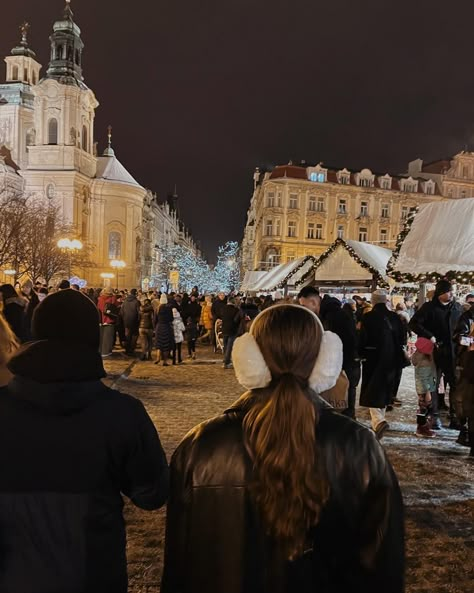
column 329, row 304
column 130, row 297
column 16, row 301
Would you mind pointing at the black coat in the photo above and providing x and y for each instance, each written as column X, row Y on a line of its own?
column 193, row 310
column 69, row 448
column 164, row 333
column 130, row 313
column 232, row 321
column 215, row 543
column 218, row 308
column 336, row 320
column 381, row 341
column 14, row 311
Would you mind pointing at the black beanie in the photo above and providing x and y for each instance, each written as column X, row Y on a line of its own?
column 442, row 287
column 67, row 315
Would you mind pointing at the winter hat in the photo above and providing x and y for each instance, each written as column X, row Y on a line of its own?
column 163, row 299
column 67, row 315
column 424, row 346
column 379, row 296
column 442, row 287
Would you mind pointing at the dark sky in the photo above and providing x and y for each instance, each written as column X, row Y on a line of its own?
column 199, row 92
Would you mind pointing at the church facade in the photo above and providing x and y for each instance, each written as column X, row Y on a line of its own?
column 47, row 125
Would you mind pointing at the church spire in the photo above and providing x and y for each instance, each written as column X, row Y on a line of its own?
column 109, row 151
column 65, row 64
column 23, row 48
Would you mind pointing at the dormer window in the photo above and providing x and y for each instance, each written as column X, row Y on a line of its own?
column 385, row 182
column 344, row 177
column 365, row 178
column 317, row 174
column 409, row 185
column 429, row 187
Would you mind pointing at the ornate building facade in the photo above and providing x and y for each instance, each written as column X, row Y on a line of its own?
column 47, row 125
column 298, row 210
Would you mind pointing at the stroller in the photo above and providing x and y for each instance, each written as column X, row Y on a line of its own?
column 219, row 336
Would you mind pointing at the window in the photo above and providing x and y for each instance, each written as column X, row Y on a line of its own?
column 405, row 211
column 312, row 203
column 463, row 193
column 278, row 202
column 385, row 211
column 317, row 177
column 59, row 52
column 465, row 172
column 383, row 236
column 294, row 201
column 362, row 234
column 78, row 57
column 270, row 199
column 344, row 179
column 429, row 189
column 273, row 258
column 365, row 182
column 277, row 227
column 292, row 228
column 311, row 233
column 319, row 231
column 291, row 256
column 34, row 80
column 53, row 131
column 320, row 207
column 115, row 245
column 340, row 232
column 50, row 191
column 269, row 228
column 364, row 208
column 25, row 74
column 342, row 206
column 84, row 139
column 385, row 183
column 15, row 73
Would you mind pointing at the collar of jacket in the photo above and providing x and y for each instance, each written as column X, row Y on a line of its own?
column 57, row 361
column 247, row 400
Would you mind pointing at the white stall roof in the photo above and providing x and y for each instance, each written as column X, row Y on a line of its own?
column 250, row 278
column 440, row 239
column 283, row 274
column 374, row 255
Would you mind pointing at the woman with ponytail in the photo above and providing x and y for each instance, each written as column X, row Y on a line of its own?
column 282, row 494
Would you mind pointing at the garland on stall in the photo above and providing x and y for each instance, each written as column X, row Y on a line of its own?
column 432, row 277
column 355, row 256
column 283, row 283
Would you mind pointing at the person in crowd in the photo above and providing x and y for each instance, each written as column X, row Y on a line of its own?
column 334, row 319
column 14, row 311
column 83, row 446
column 192, row 309
column 350, row 308
column 436, row 320
column 120, row 297
column 465, row 391
column 145, row 329
column 64, row 285
column 217, row 310
column 401, row 311
column 280, row 493
column 250, row 308
column 192, row 334
column 178, row 330
column 310, row 298
column 42, row 294
column 195, row 292
column 109, row 313
column 267, row 302
column 164, row 333
column 381, row 342
column 232, row 318
column 130, row 313
column 468, row 302
column 425, row 383
column 8, row 346
column 207, row 321
column 28, row 292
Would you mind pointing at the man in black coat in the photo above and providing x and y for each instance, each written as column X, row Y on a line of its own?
column 436, row 320
column 70, row 448
column 232, row 318
column 130, row 313
column 336, row 320
column 381, row 341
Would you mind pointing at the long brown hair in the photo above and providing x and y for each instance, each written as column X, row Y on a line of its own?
column 290, row 485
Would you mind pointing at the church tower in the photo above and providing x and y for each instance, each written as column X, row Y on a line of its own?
column 17, row 131
column 62, row 164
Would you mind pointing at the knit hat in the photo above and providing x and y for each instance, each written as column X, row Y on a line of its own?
column 424, row 346
column 163, row 299
column 379, row 296
column 442, row 287
column 67, row 315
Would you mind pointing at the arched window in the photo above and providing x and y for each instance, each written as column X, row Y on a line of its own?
column 115, row 245
column 59, row 52
column 84, row 139
column 25, row 74
column 15, row 73
column 138, row 249
column 53, row 131
column 34, row 80
column 78, row 57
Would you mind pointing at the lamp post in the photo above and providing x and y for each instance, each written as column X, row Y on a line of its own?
column 70, row 246
column 117, row 265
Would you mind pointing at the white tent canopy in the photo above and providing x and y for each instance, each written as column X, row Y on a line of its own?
column 374, row 255
column 251, row 278
column 283, row 274
column 440, row 239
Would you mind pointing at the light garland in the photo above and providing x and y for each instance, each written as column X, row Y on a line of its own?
column 283, row 283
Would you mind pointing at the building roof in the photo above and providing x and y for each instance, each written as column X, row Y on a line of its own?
column 282, row 274
column 438, row 167
column 109, row 168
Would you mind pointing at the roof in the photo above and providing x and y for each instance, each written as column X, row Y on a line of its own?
column 283, row 274
column 110, row 168
column 300, row 172
column 447, row 250
column 250, row 278
column 437, row 167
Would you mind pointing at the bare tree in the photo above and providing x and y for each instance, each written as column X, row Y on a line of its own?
column 14, row 206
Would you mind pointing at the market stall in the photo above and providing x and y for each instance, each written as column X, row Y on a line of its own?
column 282, row 276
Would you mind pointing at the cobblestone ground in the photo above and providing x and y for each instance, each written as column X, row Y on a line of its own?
column 436, row 476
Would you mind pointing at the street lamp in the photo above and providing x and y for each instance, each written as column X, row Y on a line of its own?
column 117, row 265
column 107, row 276
column 70, row 246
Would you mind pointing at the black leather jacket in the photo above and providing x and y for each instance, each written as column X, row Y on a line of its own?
column 214, row 540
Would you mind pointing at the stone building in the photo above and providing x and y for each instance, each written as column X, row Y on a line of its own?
column 47, row 125
column 299, row 210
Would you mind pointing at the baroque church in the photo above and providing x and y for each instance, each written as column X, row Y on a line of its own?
column 47, row 125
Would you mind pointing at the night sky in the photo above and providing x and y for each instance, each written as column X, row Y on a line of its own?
column 199, row 92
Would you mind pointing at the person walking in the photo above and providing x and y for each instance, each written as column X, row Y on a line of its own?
column 178, row 329
column 280, row 493
column 217, row 310
column 425, row 383
column 145, row 329
column 436, row 320
column 109, row 313
column 164, row 333
column 232, row 318
column 130, row 312
column 381, row 341
column 207, row 321
column 84, row 447
column 192, row 333
column 465, row 391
